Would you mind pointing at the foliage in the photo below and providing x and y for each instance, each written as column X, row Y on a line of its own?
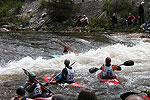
column 122, row 7
column 61, row 10
column 95, row 22
column 9, row 9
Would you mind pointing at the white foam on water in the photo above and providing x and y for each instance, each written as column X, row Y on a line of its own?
column 93, row 58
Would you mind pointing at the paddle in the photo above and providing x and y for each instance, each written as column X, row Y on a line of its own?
column 69, row 46
column 127, row 63
column 125, row 95
column 59, row 73
column 28, row 74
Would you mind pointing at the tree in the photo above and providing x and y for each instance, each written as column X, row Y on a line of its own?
column 61, row 10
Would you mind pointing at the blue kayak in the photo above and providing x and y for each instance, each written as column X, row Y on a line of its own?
column 55, row 56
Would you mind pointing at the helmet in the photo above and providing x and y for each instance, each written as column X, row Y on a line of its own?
column 20, row 90
column 67, row 62
column 32, row 75
column 108, row 60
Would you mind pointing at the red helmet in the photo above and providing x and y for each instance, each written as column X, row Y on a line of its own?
column 108, row 60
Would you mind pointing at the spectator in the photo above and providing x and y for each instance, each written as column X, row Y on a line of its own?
column 146, row 26
column 84, row 21
column 141, row 13
column 78, row 23
column 87, row 94
column 114, row 20
column 130, row 20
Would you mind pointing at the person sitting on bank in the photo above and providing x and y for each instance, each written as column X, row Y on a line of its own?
column 108, row 69
column 84, row 21
column 130, row 20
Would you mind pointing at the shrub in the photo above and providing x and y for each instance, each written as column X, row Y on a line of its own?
column 61, row 10
column 122, row 7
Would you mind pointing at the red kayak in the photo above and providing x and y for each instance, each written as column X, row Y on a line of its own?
column 40, row 98
column 72, row 85
column 114, row 81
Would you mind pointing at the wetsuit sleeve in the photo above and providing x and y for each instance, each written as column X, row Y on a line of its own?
column 102, row 68
column 64, row 76
column 30, row 87
column 64, row 73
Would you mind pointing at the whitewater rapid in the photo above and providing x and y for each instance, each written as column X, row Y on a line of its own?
column 119, row 53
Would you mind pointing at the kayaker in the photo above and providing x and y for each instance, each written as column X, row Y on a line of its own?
column 67, row 74
column 65, row 50
column 20, row 91
column 34, row 89
column 108, row 69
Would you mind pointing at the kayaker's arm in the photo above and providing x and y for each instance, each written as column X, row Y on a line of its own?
column 102, row 67
column 64, row 76
column 116, row 67
column 30, row 87
column 64, row 73
column 147, row 91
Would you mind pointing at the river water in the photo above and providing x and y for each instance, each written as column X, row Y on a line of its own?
column 32, row 51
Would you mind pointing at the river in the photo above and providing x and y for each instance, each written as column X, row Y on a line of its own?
column 32, row 50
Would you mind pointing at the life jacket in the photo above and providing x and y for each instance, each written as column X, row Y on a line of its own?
column 70, row 75
column 37, row 90
column 108, row 71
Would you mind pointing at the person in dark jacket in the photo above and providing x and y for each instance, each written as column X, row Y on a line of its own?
column 141, row 13
column 114, row 20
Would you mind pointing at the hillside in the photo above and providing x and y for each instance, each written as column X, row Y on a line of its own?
column 39, row 20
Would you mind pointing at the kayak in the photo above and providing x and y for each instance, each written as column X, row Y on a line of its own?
column 40, row 98
column 114, row 81
column 55, row 56
column 70, row 85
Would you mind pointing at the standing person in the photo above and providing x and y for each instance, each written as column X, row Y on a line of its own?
column 141, row 13
column 34, row 89
column 108, row 69
column 67, row 74
column 87, row 94
column 114, row 19
column 78, row 23
column 130, row 20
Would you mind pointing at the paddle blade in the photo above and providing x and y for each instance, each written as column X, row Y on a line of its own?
column 93, row 70
column 125, row 95
column 26, row 72
column 128, row 63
